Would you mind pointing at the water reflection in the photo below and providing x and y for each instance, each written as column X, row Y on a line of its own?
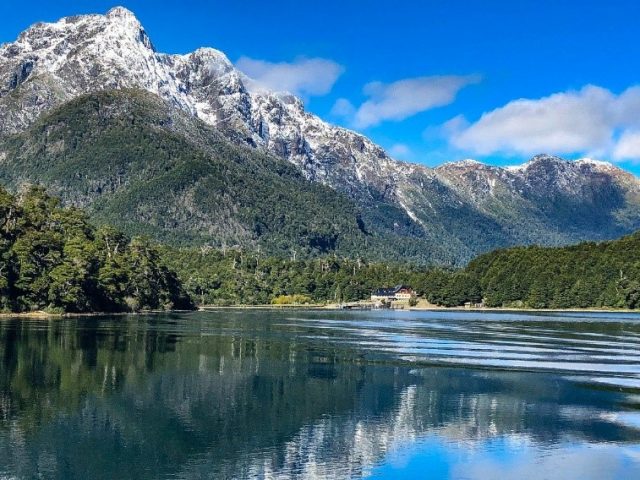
column 268, row 395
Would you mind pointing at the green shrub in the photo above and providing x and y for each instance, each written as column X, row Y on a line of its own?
column 295, row 299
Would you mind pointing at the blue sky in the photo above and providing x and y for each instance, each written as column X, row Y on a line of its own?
column 430, row 81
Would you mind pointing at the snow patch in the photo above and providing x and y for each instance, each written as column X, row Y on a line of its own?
column 595, row 163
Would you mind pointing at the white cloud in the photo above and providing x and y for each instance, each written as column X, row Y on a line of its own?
column 628, row 146
column 629, row 106
column 343, row 108
column 587, row 121
column 404, row 98
column 400, row 151
column 303, row 76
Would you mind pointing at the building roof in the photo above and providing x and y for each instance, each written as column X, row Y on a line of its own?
column 389, row 292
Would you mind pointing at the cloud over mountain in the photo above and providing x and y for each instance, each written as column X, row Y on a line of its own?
column 400, row 150
column 54, row 73
column 592, row 120
column 303, row 76
column 404, row 98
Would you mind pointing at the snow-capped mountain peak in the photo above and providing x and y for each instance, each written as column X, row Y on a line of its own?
column 52, row 63
column 123, row 13
column 88, row 53
column 125, row 23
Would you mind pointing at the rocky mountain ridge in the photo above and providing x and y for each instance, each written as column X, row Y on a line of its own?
column 50, row 63
column 472, row 206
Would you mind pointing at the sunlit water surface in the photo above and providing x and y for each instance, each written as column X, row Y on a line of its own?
column 299, row 394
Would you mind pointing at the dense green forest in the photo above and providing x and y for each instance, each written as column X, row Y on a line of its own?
column 590, row 274
column 53, row 259
column 240, row 277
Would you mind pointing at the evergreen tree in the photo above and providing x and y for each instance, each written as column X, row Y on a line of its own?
column 51, row 258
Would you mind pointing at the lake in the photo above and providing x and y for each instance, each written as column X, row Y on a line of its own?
column 321, row 395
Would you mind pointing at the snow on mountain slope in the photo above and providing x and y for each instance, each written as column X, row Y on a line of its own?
column 94, row 52
column 51, row 63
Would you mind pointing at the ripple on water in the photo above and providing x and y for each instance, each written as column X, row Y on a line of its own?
column 600, row 348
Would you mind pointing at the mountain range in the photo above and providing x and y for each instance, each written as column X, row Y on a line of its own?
column 189, row 150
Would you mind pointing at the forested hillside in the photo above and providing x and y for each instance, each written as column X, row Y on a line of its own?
column 132, row 161
column 52, row 259
column 241, row 277
column 605, row 274
column 600, row 275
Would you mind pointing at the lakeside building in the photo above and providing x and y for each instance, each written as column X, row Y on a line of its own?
column 399, row 292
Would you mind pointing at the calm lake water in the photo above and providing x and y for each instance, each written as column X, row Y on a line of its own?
column 297, row 394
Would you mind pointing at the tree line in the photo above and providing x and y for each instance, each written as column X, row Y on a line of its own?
column 599, row 275
column 605, row 274
column 53, row 259
column 234, row 276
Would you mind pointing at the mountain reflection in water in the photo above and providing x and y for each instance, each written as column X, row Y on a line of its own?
column 260, row 394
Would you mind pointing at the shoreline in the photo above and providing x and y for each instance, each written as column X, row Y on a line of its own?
column 434, row 308
column 41, row 315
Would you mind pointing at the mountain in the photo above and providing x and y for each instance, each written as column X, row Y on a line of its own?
column 55, row 71
column 550, row 200
column 135, row 162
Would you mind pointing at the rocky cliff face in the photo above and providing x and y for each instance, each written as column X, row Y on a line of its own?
column 472, row 206
column 51, row 63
